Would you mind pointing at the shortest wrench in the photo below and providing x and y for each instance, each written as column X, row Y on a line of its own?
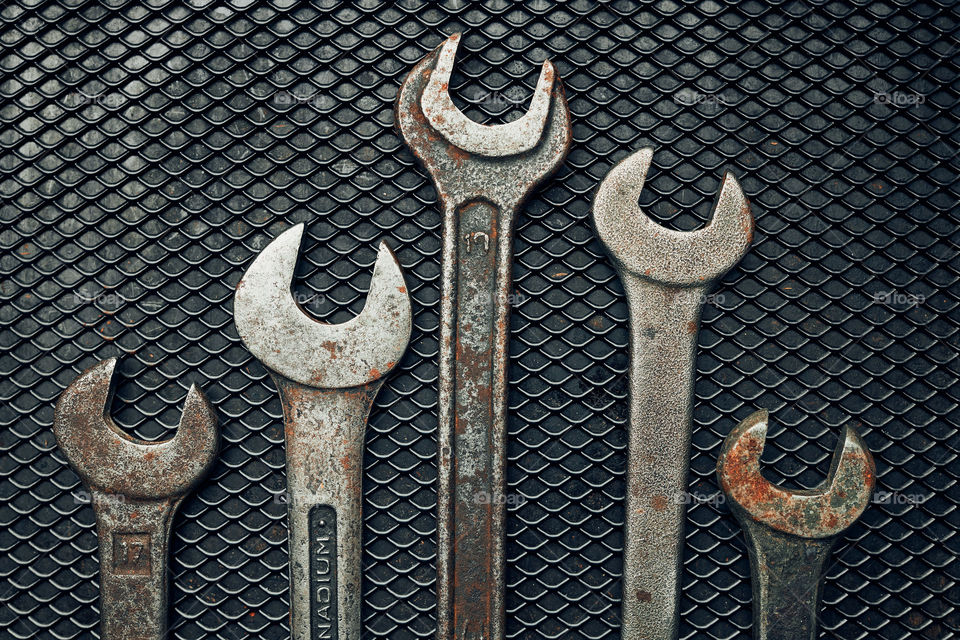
column 136, row 488
column 791, row 533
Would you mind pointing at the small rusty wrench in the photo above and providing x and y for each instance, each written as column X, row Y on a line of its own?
column 791, row 533
column 482, row 175
column 666, row 275
column 135, row 487
column 328, row 377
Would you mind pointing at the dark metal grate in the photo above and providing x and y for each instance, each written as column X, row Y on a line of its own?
column 150, row 150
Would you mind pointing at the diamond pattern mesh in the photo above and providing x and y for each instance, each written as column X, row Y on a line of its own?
column 149, row 150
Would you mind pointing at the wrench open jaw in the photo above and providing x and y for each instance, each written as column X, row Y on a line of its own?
column 791, row 533
column 677, row 258
column 328, row 377
column 666, row 275
column 135, row 487
column 482, row 175
column 111, row 461
column 334, row 356
column 467, row 160
column 822, row 512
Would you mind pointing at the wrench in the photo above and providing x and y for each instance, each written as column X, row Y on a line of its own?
column 328, row 377
column 482, row 175
column 791, row 533
column 666, row 275
column 135, row 487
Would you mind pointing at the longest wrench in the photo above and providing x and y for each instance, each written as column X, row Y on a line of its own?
column 666, row 275
column 482, row 175
column 328, row 377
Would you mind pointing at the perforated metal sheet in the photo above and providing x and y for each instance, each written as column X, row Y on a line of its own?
column 150, row 150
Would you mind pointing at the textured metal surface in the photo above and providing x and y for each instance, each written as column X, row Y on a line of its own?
column 481, row 186
column 667, row 276
column 328, row 376
column 790, row 533
column 150, row 151
column 135, row 488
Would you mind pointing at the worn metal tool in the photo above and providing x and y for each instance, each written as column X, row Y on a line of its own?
column 790, row 533
column 666, row 275
column 482, row 175
column 135, row 487
column 328, row 377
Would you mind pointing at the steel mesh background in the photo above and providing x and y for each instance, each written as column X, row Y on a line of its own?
column 150, row 150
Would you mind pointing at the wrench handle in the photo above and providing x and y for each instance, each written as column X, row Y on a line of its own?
column 134, row 537
column 663, row 340
column 473, row 421
column 786, row 575
column 324, row 431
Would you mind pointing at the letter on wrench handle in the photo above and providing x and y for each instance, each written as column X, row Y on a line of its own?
column 666, row 275
column 328, row 377
column 790, row 534
column 136, row 488
column 482, row 175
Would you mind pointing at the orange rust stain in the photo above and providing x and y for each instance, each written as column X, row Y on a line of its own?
column 659, row 503
column 374, row 372
column 331, row 347
column 402, row 289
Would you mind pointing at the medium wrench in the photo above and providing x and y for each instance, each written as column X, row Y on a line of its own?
column 790, row 533
column 135, row 487
column 482, row 175
column 666, row 275
column 328, row 377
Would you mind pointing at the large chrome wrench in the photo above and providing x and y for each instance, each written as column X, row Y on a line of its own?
column 328, row 377
column 791, row 533
column 666, row 275
column 136, row 488
column 482, row 175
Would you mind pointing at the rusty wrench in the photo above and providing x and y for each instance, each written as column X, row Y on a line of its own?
column 482, row 175
column 328, row 377
column 791, row 533
column 136, row 488
column 666, row 275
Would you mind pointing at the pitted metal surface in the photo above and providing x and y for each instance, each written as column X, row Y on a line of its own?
column 148, row 152
column 667, row 276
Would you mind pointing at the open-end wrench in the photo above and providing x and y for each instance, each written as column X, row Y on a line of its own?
column 327, row 376
column 666, row 275
column 482, row 175
column 135, row 487
column 790, row 533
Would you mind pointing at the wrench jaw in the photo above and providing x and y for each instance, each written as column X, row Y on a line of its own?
column 287, row 341
column 113, row 462
column 135, row 489
column 641, row 247
column 791, row 533
column 496, row 141
column 823, row 512
column 500, row 164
